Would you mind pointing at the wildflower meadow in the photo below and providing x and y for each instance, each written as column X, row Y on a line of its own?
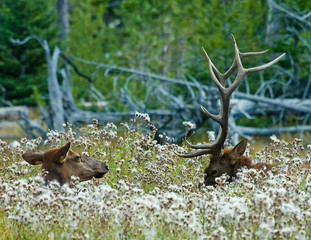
column 151, row 193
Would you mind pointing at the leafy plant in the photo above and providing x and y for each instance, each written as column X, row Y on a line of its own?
column 22, row 67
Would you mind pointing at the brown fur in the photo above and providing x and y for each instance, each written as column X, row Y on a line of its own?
column 230, row 162
column 62, row 163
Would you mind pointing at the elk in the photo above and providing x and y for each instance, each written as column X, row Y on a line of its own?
column 62, row 163
column 227, row 161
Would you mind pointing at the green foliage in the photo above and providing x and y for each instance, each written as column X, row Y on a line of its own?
column 163, row 37
column 22, row 67
column 293, row 35
column 37, row 96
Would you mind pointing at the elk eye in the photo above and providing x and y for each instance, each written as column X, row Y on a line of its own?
column 214, row 172
column 78, row 159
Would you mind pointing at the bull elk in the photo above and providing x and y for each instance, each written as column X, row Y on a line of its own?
column 227, row 161
column 62, row 163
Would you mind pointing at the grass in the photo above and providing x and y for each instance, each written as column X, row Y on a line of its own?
column 150, row 193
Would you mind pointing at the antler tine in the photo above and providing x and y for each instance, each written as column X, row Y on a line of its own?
column 233, row 66
column 222, row 118
column 214, row 146
column 212, row 116
column 195, row 153
column 242, row 72
column 210, row 144
column 220, row 79
column 214, row 71
column 264, row 66
column 252, row 54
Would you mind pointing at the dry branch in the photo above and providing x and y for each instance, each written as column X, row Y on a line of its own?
column 174, row 110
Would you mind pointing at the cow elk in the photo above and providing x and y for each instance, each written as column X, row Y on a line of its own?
column 227, row 161
column 62, row 163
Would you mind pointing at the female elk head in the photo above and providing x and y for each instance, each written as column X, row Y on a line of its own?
column 229, row 160
column 62, row 163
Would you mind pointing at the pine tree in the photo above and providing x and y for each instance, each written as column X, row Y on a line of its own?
column 23, row 67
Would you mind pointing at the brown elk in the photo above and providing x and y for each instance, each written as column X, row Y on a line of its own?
column 62, row 163
column 228, row 161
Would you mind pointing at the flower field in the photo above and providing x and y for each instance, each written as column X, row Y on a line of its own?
column 150, row 193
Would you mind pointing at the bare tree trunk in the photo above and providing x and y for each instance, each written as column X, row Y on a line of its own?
column 55, row 94
column 63, row 19
column 175, row 110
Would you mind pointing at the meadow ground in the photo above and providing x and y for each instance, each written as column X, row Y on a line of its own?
column 150, row 193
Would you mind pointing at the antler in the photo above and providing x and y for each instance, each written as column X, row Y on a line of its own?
column 222, row 118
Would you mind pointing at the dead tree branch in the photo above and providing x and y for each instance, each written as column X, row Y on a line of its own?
column 174, row 109
column 57, row 110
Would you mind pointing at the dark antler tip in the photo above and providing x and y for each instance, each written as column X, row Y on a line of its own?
column 245, row 140
column 179, row 154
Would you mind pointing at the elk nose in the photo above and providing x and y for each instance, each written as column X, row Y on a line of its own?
column 105, row 167
column 209, row 182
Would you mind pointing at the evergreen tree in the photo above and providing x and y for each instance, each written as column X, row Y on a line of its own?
column 163, row 36
column 23, row 67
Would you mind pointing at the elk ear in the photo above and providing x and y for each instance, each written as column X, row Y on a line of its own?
column 33, row 158
column 238, row 151
column 61, row 153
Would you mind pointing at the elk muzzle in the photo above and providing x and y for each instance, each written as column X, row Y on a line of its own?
column 94, row 168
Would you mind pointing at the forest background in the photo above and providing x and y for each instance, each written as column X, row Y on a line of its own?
column 163, row 37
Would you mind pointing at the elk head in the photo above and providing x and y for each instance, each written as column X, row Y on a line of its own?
column 226, row 161
column 62, row 163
